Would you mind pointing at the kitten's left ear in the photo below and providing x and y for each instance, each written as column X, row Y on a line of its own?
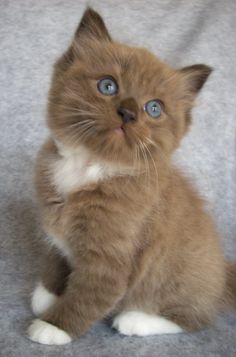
column 194, row 77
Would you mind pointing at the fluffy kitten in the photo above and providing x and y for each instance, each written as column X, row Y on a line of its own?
column 129, row 236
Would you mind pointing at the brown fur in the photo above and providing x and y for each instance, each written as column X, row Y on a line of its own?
column 139, row 241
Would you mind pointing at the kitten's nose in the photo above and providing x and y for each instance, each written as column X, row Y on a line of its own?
column 126, row 115
column 128, row 110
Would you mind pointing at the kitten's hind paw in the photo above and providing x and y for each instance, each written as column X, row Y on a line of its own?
column 141, row 324
column 47, row 334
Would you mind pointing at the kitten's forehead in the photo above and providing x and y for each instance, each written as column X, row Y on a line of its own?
column 137, row 67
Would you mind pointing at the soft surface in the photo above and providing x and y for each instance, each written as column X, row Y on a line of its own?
column 32, row 35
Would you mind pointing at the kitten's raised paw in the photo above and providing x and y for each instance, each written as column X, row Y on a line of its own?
column 47, row 334
column 141, row 324
column 42, row 299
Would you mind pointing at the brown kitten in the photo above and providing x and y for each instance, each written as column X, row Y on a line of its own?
column 130, row 237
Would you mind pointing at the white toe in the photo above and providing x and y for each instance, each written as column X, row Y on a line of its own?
column 141, row 324
column 47, row 334
column 42, row 299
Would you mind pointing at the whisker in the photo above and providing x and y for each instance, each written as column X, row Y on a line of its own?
column 74, row 110
column 80, row 127
column 82, row 123
column 80, row 100
column 150, row 141
column 83, row 134
column 145, row 159
column 137, row 159
column 149, row 152
column 77, row 115
column 153, row 162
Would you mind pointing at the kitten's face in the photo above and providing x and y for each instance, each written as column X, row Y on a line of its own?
column 120, row 102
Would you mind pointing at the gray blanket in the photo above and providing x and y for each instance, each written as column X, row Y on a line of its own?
column 182, row 32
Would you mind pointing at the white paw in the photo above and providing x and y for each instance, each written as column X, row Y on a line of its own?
column 42, row 299
column 47, row 334
column 141, row 324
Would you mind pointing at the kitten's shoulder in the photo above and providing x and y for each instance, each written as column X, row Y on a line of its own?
column 48, row 148
column 184, row 188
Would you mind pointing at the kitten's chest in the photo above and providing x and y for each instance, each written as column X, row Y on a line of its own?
column 75, row 171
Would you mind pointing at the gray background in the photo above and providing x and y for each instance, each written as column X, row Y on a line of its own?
column 32, row 35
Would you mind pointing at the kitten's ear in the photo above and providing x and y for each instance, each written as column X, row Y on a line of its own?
column 92, row 26
column 194, row 77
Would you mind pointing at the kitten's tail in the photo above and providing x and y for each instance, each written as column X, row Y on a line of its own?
column 231, row 285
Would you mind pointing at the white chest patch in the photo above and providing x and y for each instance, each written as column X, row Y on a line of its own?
column 61, row 245
column 75, row 169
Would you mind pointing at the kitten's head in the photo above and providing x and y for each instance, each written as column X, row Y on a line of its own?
column 122, row 103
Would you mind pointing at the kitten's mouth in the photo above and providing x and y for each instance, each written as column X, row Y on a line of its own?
column 120, row 130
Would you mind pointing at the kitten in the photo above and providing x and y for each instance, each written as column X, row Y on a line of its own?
column 129, row 236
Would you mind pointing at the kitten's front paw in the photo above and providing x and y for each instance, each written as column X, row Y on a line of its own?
column 47, row 334
column 42, row 299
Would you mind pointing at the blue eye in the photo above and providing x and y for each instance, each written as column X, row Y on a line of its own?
column 153, row 108
column 107, row 86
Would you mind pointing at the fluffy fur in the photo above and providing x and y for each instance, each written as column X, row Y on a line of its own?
column 129, row 233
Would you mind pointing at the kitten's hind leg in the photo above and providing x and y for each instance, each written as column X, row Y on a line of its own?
column 139, row 323
column 52, row 284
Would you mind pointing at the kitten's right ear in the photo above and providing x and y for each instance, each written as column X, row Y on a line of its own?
column 92, row 26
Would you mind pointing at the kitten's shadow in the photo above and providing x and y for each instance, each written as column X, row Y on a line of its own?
column 24, row 255
column 25, row 241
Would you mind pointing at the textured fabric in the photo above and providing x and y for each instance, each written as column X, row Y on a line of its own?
column 32, row 35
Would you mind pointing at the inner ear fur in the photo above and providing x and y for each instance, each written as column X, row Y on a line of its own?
column 195, row 76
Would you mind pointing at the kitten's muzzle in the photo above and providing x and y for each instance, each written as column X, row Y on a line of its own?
column 126, row 115
column 128, row 110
